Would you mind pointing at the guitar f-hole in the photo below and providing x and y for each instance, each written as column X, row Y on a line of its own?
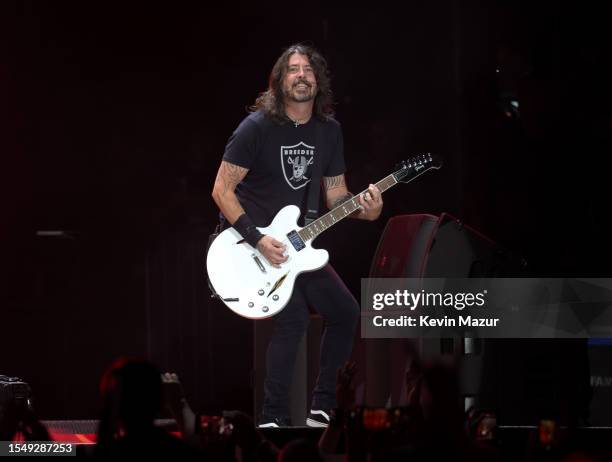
column 277, row 284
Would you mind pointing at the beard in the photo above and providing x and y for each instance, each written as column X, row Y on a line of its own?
column 301, row 96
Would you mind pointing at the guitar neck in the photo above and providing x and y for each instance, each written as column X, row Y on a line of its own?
column 311, row 231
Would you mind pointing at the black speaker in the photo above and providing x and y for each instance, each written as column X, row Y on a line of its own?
column 522, row 379
column 418, row 246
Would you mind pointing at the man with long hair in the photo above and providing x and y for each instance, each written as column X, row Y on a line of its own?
column 295, row 118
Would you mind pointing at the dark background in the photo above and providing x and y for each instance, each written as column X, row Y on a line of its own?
column 114, row 117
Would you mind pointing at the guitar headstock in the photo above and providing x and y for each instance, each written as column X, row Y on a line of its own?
column 414, row 166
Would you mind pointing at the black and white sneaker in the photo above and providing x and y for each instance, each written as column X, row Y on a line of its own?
column 318, row 419
column 273, row 422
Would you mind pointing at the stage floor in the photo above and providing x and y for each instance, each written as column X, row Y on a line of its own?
column 83, row 432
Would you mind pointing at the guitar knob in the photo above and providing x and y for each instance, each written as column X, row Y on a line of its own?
column 275, row 298
column 251, row 304
column 264, row 309
column 260, row 291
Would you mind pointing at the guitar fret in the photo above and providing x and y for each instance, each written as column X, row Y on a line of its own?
column 311, row 231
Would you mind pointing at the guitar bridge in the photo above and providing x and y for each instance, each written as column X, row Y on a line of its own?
column 262, row 268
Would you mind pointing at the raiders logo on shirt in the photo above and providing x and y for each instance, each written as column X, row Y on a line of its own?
column 296, row 161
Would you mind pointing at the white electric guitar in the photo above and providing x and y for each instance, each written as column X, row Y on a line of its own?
column 250, row 286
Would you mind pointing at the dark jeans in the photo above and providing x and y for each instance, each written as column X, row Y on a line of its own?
column 324, row 291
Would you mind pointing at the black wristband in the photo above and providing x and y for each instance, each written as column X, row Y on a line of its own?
column 247, row 230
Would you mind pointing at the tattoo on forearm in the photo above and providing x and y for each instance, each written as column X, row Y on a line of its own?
column 341, row 199
column 229, row 176
column 332, row 182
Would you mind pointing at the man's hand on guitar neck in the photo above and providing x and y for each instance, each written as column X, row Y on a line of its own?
column 371, row 204
column 273, row 250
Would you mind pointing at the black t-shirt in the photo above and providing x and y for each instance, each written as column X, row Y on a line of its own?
column 280, row 159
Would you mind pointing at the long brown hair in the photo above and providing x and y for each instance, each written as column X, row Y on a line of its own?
column 271, row 101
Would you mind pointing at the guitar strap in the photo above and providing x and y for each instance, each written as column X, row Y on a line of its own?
column 314, row 189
